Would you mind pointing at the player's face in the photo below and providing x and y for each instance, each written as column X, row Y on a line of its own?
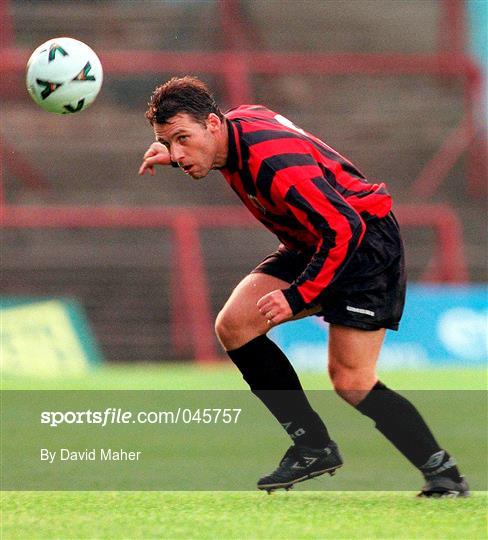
column 191, row 144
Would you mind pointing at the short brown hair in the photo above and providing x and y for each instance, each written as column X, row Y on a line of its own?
column 181, row 95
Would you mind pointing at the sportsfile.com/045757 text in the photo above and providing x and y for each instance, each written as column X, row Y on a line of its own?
column 112, row 415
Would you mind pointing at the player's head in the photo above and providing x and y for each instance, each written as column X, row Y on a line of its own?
column 186, row 119
column 185, row 95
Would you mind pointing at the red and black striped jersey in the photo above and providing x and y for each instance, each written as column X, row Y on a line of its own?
column 303, row 191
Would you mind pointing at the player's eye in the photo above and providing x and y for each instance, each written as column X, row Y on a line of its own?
column 182, row 138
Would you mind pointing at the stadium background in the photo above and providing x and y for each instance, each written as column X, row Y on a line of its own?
column 393, row 85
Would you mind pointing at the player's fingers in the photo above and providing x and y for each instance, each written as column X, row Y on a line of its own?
column 146, row 167
column 275, row 319
column 152, row 160
column 264, row 309
column 142, row 168
column 263, row 302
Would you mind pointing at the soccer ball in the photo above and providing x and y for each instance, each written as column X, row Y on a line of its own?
column 64, row 75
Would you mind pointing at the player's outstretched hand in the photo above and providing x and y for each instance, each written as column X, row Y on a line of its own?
column 274, row 307
column 156, row 154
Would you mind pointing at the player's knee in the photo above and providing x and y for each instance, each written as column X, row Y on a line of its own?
column 352, row 385
column 228, row 327
column 234, row 329
column 340, row 376
column 223, row 327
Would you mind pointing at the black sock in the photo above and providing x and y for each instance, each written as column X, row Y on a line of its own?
column 273, row 380
column 400, row 422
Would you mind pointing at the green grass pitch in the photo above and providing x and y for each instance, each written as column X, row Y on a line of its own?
column 225, row 515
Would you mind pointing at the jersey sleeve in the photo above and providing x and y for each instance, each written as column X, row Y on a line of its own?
column 338, row 227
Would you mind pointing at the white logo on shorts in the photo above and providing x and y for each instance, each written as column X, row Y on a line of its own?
column 360, row 310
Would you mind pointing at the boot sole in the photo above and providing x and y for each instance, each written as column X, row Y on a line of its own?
column 450, row 494
column 289, row 485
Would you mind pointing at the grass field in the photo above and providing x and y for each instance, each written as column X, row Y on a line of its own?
column 247, row 514
column 212, row 515
column 216, row 377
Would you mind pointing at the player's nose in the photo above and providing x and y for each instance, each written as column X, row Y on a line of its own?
column 177, row 154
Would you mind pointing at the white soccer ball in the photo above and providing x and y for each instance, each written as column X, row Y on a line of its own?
column 64, row 75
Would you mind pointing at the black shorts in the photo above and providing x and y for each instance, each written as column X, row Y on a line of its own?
column 369, row 293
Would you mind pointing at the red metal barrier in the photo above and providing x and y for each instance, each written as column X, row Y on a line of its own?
column 191, row 316
column 451, row 29
column 267, row 62
column 195, row 323
column 437, row 168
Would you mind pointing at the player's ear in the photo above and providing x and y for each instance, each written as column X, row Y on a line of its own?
column 213, row 122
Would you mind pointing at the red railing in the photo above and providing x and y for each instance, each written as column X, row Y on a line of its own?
column 191, row 317
column 227, row 63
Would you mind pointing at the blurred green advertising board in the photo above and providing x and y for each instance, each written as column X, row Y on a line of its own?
column 45, row 337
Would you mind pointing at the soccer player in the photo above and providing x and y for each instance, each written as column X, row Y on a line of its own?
column 340, row 257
